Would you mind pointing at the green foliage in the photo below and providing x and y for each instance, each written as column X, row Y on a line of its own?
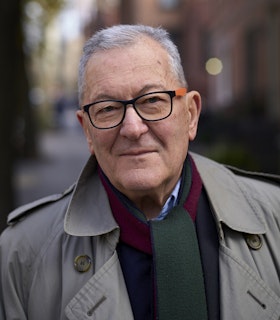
column 36, row 15
column 49, row 7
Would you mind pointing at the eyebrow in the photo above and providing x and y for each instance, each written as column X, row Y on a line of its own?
column 151, row 87
column 147, row 88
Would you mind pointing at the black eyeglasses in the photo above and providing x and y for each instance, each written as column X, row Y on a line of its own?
column 152, row 106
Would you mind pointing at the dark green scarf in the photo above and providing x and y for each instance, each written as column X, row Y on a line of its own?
column 180, row 292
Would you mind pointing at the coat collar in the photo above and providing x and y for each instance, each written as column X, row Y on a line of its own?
column 231, row 202
column 89, row 212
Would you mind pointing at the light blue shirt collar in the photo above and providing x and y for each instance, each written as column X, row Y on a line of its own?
column 170, row 202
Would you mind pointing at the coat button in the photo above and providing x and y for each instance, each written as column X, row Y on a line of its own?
column 82, row 263
column 254, row 241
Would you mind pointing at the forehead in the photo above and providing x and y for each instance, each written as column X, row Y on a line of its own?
column 129, row 68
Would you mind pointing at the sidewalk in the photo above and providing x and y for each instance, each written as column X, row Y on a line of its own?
column 63, row 154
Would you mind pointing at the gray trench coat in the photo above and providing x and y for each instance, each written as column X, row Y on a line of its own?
column 38, row 250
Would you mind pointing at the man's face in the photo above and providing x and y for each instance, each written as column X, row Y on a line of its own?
column 141, row 159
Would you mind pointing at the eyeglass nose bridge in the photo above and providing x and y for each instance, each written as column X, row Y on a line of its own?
column 132, row 102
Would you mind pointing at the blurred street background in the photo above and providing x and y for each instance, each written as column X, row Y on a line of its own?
column 230, row 52
column 62, row 156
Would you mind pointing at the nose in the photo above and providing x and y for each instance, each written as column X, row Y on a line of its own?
column 132, row 126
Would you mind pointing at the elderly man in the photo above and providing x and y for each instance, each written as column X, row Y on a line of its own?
column 149, row 231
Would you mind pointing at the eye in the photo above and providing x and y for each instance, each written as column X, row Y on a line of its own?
column 108, row 109
column 153, row 99
column 105, row 109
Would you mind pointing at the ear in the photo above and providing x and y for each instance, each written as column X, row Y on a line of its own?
column 194, row 104
column 84, row 122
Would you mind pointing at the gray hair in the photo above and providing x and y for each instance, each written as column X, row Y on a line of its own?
column 120, row 36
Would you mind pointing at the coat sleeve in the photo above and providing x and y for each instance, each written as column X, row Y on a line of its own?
column 14, row 269
column 20, row 244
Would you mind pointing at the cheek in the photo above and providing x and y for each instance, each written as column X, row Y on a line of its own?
column 180, row 136
column 101, row 144
column 180, row 126
column 173, row 136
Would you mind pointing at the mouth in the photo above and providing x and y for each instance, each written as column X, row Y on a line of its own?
column 136, row 153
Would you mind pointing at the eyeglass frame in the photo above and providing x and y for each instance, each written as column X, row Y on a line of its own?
column 180, row 92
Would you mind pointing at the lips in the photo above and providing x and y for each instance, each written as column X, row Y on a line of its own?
column 137, row 152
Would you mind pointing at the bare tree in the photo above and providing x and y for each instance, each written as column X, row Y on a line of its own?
column 10, row 56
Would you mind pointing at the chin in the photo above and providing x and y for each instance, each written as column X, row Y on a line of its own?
column 138, row 182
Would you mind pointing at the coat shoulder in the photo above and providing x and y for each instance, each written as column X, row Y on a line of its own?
column 23, row 211
column 265, row 177
column 207, row 164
